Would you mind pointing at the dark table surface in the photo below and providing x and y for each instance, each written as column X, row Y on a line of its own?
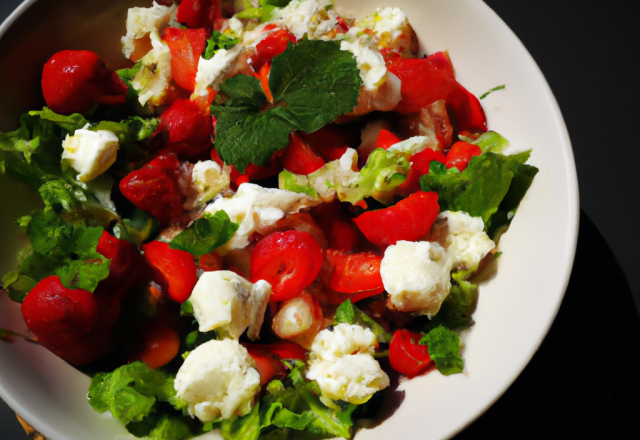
column 583, row 382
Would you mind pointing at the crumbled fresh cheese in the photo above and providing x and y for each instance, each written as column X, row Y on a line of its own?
column 267, row 204
column 385, row 21
column 309, row 17
column 142, row 21
column 416, row 275
column 218, row 379
column 226, row 302
column 152, row 81
column 234, row 28
column 336, row 174
column 91, row 153
column 341, row 362
column 370, row 62
column 211, row 72
column 209, row 179
column 466, row 241
column 413, row 145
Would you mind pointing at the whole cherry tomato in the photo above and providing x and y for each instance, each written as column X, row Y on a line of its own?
column 289, row 261
column 406, row 355
column 73, row 81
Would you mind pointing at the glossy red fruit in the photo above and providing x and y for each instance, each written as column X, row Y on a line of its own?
column 410, row 219
column 186, row 46
column 199, row 13
column 460, row 154
column 73, row 81
column 174, row 270
column 154, row 188
column 420, row 164
column 127, row 267
column 66, row 321
column 189, row 128
column 289, row 261
column 273, row 44
column 354, row 272
column 299, row 158
column 406, row 355
column 386, row 139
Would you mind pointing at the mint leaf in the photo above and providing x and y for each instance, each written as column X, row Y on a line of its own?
column 312, row 83
column 444, row 350
column 206, row 234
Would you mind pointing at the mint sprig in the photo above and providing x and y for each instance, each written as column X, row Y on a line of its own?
column 312, row 83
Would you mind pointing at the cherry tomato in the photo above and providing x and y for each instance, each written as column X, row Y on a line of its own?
column 409, row 219
column 386, row 139
column 299, row 158
column 161, row 345
column 273, row 44
column 199, row 13
column 460, row 154
column 127, row 267
column 73, row 81
column 189, row 128
column 154, row 188
column 354, row 272
column 268, row 365
column 174, row 270
column 186, row 46
column 65, row 321
column 420, row 163
column 210, row 262
column 282, row 349
column 289, row 261
column 332, row 140
column 406, row 355
column 468, row 110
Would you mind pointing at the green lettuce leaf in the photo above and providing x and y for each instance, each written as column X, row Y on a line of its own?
column 458, row 307
column 218, row 41
column 206, row 234
column 444, row 350
column 312, row 83
column 348, row 313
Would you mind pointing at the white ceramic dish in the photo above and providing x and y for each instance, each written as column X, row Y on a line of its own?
column 515, row 309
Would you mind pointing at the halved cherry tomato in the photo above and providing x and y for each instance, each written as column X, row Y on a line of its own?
column 174, row 270
column 386, row 139
column 210, row 262
column 460, row 154
column 332, row 140
column 289, row 261
column 409, row 219
column 161, row 345
column 186, row 46
column 406, row 355
column 189, row 128
column 154, row 188
column 127, row 267
column 199, row 13
column 273, row 44
column 73, row 81
column 354, row 272
column 268, row 365
column 298, row 157
column 420, row 163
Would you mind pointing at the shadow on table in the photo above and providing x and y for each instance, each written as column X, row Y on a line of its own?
column 584, row 381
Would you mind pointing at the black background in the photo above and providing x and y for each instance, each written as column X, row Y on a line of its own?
column 584, row 382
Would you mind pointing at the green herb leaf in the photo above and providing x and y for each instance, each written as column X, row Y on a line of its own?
column 312, row 83
column 444, row 350
column 206, row 234
column 458, row 307
column 218, row 41
column 487, row 93
column 348, row 313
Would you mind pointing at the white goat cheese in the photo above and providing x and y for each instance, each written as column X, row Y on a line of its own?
column 372, row 66
column 152, row 80
column 416, row 275
column 341, row 362
column 466, row 241
column 142, row 21
column 209, row 179
column 413, row 145
column 90, row 153
column 267, row 204
column 309, row 17
column 211, row 72
column 226, row 302
column 218, row 379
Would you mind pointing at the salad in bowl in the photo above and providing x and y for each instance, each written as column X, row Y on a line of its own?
column 266, row 224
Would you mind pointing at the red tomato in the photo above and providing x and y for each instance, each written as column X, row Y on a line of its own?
column 161, row 345
column 210, row 262
column 186, row 46
column 302, row 221
column 127, row 267
column 282, row 349
column 268, row 365
column 154, row 188
column 263, row 75
column 424, row 81
column 420, row 163
column 406, row 355
column 366, row 294
column 409, row 219
column 289, row 261
column 189, row 128
column 66, row 321
column 343, row 234
column 199, row 13
column 73, row 81
column 298, row 157
column 468, row 109
column 332, row 140
column 386, row 139
column 354, row 272
column 460, row 154
column 174, row 270
column 273, row 44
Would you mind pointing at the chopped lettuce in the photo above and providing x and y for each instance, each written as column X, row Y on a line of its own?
column 218, row 41
column 489, row 142
column 444, row 350
column 348, row 313
column 206, row 234
column 458, row 306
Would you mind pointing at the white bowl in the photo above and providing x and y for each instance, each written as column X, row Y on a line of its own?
column 515, row 309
